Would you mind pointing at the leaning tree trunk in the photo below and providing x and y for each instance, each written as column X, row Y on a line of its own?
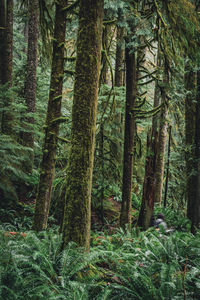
column 6, row 68
column 52, row 120
column 190, row 112
column 30, row 81
column 131, row 91
column 77, row 216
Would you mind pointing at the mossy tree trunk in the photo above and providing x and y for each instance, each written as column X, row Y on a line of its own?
column 131, row 92
column 104, row 79
column 30, row 81
column 77, row 215
column 195, row 199
column 119, row 61
column 119, row 78
column 6, row 64
column 52, row 120
column 190, row 112
column 148, row 198
column 196, row 215
column 147, row 207
column 105, row 54
column 162, row 137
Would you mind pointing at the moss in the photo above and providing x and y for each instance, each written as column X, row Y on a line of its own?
column 52, row 126
column 76, row 225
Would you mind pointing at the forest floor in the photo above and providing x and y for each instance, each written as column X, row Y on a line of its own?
column 110, row 222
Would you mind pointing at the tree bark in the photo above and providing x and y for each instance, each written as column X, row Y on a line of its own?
column 119, row 62
column 190, row 112
column 2, row 38
column 6, row 75
column 52, row 120
column 160, row 161
column 167, row 168
column 77, row 217
column 147, row 207
column 131, row 91
column 105, row 54
column 30, row 81
column 195, row 217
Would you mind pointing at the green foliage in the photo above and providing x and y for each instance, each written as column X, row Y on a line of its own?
column 131, row 265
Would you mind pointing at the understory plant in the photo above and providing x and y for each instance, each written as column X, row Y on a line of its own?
column 125, row 265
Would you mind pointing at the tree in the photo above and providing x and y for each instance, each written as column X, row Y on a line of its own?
column 53, row 119
column 190, row 86
column 148, row 197
column 77, row 215
column 131, row 92
column 30, row 81
column 162, row 136
column 6, row 49
column 196, row 209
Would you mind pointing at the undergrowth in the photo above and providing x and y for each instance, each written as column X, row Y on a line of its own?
column 132, row 265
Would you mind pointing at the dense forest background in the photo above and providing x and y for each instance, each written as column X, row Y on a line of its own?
column 100, row 131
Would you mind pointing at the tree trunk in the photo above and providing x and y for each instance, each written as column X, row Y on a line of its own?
column 105, row 54
column 119, row 62
column 77, row 217
column 2, row 38
column 190, row 111
column 30, row 81
column 160, row 161
column 6, row 75
column 52, row 120
column 167, row 168
column 147, row 207
column 195, row 217
column 119, row 75
column 131, row 91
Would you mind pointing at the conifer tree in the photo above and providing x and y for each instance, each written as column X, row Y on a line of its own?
column 53, row 118
column 30, row 81
column 77, row 215
column 131, row 93
column 6, row 57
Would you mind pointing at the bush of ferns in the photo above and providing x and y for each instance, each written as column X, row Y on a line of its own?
column 133, row 265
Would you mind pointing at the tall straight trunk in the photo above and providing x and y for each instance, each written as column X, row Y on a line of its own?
column 52, row 120
column 30, row 81
column 119, row 61
column 77, row 215
column 119, row 71
column 2, row 48
column 148, row 198
column 167, row 167
column 6, row 76
column 105, row 54
column 160, row 161
column 195, row 217
column 131, row 91
column 2, row 38
column 147, row 207
column 190, row 112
